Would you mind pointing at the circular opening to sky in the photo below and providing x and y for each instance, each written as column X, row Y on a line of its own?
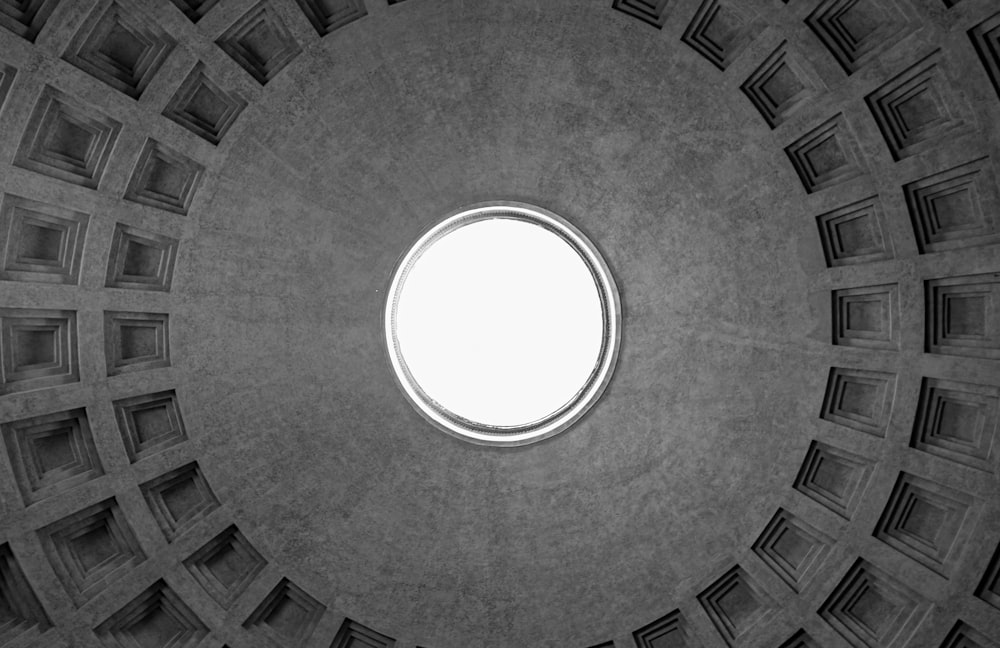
column 502, row 324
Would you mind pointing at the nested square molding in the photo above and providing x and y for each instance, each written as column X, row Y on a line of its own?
column 136, row 341
column 91, row 549
column 43, row 242
column 201, row 106
column 962, row 635
column 781, row 86
column 149, row 423
column 826, row 156
column 354, row 635
column 800, row 639
column 327, row 16
column 51, row 453
column 958, row 421
column 288, row 615
column 871, row 609
column 652, row 12
column 164, row 178
column 989, row 587
column 38, row 349
column 23, row 615
column 67, row 140
column 260, row 43
column 927, row 521
column 835, row 478
column 859, row 399
column 867, row 317
column 954, row 208
column 671, row 629
column 195, row 10
column 986, row 39
column 963, row 315
column 226, row 566
column 857, row 31
column 7, row 75
column 179, row 499
column 26, row 18
column 156, row 618
column 918, row 108
column 855, row 233
column 793, row 548
column 721, row 30
column 120, row 47
column 140, row 260
column 737, row 604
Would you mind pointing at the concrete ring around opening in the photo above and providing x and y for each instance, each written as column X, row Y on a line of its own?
column 502, row 324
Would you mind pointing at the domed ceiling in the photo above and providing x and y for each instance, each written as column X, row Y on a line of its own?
column 204, row 442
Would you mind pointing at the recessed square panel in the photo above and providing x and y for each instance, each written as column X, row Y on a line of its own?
column 43, row 242
column 793, row 548
column 121, row 47
column 800, row 639
column 825, row 156
column 353, row 634
column 26, row 18
column 288, row 615
column 179, row 499
column 917, row 109
column 51, row 453
column 38, row 349
column 866, row 317
column 962, row 635
column 780, row 87
column 989, row 587
column 958, row 421
column 23, row 616
column 954, row 208
column 720, row 31
column 156, row 618
column 834, row 478
column 736, row 604
column 986, row 38
column 857, row 31
column 194, row 9
column 164, row 178
column 260, row 43
column 328, row 16
column 67, row 140
column 203, row 107
column 149, row 423
column 859, row 399
column 136, row 341
column 91, row 548
column 140, row 260
column 226, row 566
column 871, row 609
column 854, row 234
column 653, row 12
column 7, row 75
column 963, row 315
column 927, row 521
column 670, row 631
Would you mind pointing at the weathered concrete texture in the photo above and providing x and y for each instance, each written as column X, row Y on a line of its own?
column 373, row 133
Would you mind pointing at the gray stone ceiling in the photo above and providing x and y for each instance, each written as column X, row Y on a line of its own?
column 203, row 441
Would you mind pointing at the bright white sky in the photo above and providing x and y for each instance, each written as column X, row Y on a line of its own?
column 500, row 322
